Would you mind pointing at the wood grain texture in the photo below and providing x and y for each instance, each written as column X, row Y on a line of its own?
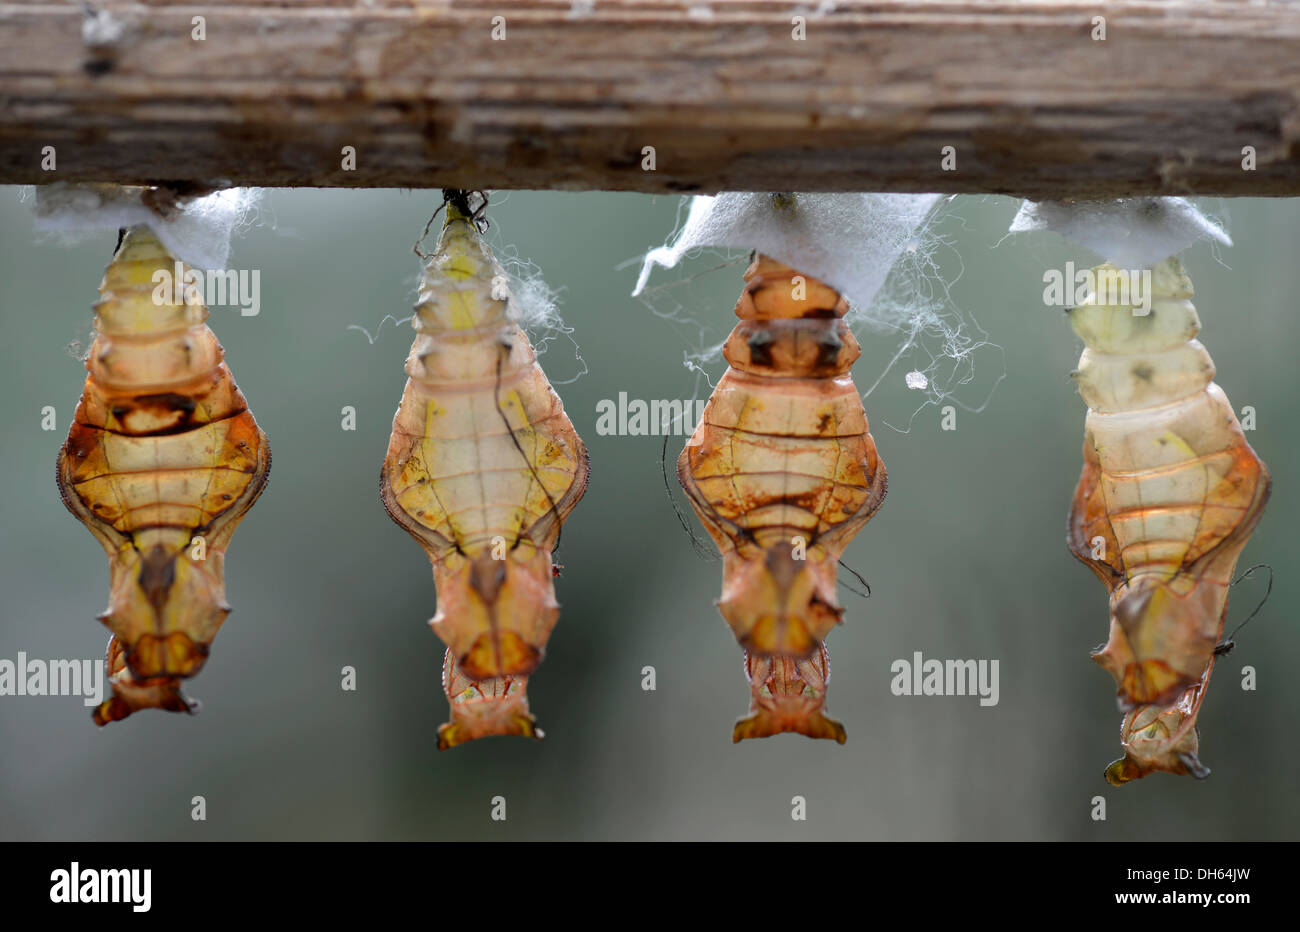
column 1033, row 105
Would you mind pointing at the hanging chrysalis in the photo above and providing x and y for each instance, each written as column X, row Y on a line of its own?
column 162, row 461
column 783, row 473
column 482, row 469
column 1170, row 493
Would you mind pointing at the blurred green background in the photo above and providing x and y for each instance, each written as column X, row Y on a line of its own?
column 967, row 558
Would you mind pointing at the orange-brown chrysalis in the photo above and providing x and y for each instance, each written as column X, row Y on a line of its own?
column 1168, row 497
column 783, row 472
column 482, row 469
column 162, row 461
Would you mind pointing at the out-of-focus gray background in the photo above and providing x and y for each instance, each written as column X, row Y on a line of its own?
column 967, row 558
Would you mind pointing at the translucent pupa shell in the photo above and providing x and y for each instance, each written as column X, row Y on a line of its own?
column 783, row 472
column 1168, row 497
column 161, row 463
column 482, row 469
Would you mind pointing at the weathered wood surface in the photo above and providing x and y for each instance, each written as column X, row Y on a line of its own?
column 1031, row 103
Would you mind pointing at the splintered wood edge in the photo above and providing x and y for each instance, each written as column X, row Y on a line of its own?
column 721, row 95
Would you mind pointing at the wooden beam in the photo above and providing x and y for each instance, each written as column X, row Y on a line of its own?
column 1032, row 104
